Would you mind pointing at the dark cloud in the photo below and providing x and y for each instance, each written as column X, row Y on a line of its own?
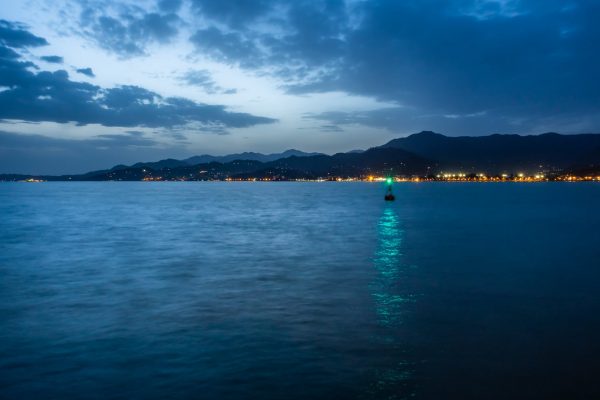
column 8, row 54
column 517, row 60
column 235, row 13
column 53, row 96
column 169, row 6
column 132, row 138
column 200, row 78
column 435, row 58
column 308, row 40
column 203, row 79
column 386, row 118
column 16, row 35
column 131, row 31
column 37, row 154
column 12, row 140
column 52, row 59
column 408, row 120
column 86, row 71
column 330, row 128
column 228, row 47
column 13, row 71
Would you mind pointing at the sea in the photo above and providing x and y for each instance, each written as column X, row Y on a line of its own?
column 299, row 290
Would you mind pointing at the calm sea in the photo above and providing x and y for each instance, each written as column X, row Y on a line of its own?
column 299, row 291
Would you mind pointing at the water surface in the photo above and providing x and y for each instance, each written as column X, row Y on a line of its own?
column 299, row 290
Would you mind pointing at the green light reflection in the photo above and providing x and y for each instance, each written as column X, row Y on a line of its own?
column 392, row 300
column 389, row 302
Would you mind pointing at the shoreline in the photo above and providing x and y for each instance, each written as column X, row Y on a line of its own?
column 415, row 180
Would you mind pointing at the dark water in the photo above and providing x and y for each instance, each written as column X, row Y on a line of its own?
column 299, row 291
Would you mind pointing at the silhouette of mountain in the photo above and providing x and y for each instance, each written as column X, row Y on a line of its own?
column 372, row 161
column 503, row 153
column 206, row 158
column 167, row 163
column 424, row 153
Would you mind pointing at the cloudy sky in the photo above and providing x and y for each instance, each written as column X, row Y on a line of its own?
column 87, row 84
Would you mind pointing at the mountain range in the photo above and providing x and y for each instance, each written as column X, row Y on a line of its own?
column 422, row 154
column 207, row 158
column 504, row 153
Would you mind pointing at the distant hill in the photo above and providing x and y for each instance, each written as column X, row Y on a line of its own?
column 206, row 158
column 203, row 159
column 422, row 154
column 372, row 161
column 500, row 153
column 167, row 163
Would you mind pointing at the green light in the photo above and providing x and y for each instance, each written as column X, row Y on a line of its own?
column 389, row 181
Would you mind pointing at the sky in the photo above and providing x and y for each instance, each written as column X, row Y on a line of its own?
column 88, row 84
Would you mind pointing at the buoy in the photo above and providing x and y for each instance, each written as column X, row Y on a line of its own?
column 389, row 196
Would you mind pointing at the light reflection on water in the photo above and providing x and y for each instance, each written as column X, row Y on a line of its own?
column 388, row 263
column 393, row 380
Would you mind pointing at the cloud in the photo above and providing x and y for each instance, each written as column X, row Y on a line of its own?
column 296, row 41
column 53, row 96
column 330, row 128
column 12, row 140
column 131, row 138
column 386, row 118
column 86, row 71
column 404, row 120
column 17, row 36
column 37, row 154
column 128, row 32
column 235, row 13
column 169, row 6
column 203, row 79
column 231, row 48
column 486, row 9
column 519, row 60
column 52, row 59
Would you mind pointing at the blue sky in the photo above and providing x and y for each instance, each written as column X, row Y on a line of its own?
column 89, row 84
